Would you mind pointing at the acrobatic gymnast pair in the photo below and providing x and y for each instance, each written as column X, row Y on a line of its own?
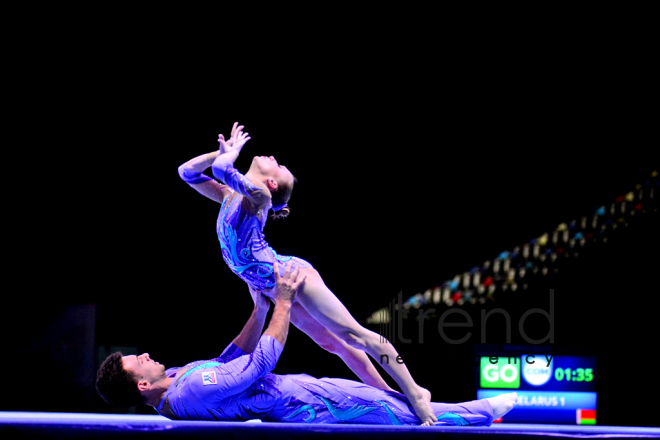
column 239, row 385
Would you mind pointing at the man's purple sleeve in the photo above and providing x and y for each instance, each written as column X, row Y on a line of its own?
column 240, row 373
column 230, row 353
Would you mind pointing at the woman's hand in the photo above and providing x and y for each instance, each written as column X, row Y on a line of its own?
column 221, row 139
column 223, row 142
column 235, row 143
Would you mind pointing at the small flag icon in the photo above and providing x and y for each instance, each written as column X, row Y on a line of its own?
column 586, row 416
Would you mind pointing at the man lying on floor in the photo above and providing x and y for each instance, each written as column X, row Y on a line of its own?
column 238, row 385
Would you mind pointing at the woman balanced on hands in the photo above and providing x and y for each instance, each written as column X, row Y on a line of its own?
column 245, row 202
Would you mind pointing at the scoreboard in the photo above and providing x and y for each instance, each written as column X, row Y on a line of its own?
column 551, row 388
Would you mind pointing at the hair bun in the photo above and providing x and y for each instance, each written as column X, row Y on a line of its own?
column 282, row 213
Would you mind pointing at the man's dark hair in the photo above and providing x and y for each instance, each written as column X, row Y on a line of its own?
column 115, row 385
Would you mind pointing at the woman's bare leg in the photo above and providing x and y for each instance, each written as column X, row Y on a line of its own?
column 356, row 360
column 326, row 308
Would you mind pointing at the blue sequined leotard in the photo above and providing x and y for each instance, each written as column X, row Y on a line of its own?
column 239, row 386
column 240, row 232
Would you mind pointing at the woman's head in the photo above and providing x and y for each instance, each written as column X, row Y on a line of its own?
column 279, row 181
column 280, row 198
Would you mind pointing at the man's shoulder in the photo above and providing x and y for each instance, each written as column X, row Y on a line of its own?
column 197, row 368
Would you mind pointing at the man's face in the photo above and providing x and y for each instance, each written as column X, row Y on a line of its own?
column 143, row 367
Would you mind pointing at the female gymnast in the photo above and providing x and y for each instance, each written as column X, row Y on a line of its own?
column 246, row 200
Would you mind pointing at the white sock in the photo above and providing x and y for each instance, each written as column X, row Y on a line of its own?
column 502, row 404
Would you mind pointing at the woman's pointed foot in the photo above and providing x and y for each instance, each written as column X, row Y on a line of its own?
column 422, row 407
column 502, row 403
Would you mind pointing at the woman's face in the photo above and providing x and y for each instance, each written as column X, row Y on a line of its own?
column 268, row 166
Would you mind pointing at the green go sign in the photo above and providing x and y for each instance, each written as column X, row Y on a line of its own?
column 498, row 372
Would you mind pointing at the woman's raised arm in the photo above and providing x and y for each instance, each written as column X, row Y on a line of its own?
column 223, row 168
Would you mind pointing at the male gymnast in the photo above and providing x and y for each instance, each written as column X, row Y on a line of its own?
column 238, row 385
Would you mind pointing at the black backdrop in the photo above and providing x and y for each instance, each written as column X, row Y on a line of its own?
column 405, row 179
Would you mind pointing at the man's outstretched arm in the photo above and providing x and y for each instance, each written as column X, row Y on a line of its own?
column 248, row 338
column 286, row 286
column 241, row 372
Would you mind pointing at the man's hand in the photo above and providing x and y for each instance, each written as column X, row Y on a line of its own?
column 287, row 286
column 285, row 293
column 261, row 302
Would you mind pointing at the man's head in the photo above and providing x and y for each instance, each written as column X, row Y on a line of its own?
column 125, row 381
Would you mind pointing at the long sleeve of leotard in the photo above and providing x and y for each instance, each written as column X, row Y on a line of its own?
column 224, row 171
column 238, row 374
column 230, row 353
column 191, row 172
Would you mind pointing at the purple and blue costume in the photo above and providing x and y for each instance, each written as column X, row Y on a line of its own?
column 238, row 386
column 240, row 232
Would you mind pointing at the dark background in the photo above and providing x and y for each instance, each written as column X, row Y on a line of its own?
column 411, row 169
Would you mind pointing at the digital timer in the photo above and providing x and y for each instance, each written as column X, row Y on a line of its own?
column 578, row 375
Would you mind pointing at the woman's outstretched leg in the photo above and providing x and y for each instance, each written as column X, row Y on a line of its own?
column 356, row 360
column 326, row 308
